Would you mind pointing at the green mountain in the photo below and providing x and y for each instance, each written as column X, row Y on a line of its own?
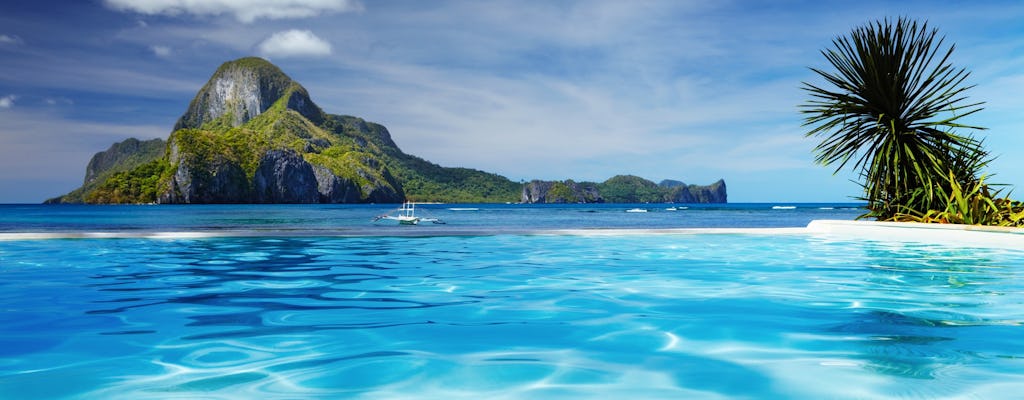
column 253, row 135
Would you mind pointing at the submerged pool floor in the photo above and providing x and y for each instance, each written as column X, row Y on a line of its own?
column 723, row 315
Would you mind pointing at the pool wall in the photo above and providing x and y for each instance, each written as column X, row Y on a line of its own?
column 950, row 234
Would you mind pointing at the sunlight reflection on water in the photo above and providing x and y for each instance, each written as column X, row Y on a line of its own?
column 509, row 316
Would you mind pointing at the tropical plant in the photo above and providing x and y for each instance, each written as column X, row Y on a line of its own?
column 892, row 106
column 976, row 204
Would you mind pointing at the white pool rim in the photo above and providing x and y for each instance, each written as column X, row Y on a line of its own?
column 948, row 234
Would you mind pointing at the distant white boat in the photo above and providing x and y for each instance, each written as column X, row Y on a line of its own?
column 783, row 207
column 406, row 215
column 636, row 210
column 464, row 209
column 671, row 209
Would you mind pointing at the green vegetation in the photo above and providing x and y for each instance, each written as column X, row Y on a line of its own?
column 561, row 192
column 624, row 189
column 139, row 185
column 426, row 181
column 422, row 180
column 632, row 189
column 893, row 106
column 120, row 157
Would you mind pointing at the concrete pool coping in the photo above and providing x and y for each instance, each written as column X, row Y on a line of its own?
column 949, row 234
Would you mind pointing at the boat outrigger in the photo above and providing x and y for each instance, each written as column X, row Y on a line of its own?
column 406, row 215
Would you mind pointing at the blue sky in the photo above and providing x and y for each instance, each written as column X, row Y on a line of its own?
column 686, row 90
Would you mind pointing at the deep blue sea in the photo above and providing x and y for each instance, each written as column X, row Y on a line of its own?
column 458, row 218
column 318, row 302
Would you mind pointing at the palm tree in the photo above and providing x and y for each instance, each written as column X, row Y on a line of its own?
column 891, row 106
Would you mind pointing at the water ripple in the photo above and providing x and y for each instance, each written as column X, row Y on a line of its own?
column 694, row 316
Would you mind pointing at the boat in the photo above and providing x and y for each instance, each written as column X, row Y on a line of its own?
column 406, row 215
column 636, row 210
column 671, row 209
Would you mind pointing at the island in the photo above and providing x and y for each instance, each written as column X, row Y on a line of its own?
column 253, row 135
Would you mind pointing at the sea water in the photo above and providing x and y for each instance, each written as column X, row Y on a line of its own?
column 288, row 313
column 458, row 218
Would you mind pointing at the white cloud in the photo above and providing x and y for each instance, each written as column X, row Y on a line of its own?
column 7, row 101
column 160, row 51
column 294, row 43
column 10, row 39
column 58, row 101
column 245, row 11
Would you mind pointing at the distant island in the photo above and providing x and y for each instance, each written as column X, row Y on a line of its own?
column 253, row 135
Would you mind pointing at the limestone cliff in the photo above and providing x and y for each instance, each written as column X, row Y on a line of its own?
column 568, row 191
column 680, row 192
column 242, row 89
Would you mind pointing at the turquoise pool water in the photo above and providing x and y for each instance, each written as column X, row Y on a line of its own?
column 510, row 316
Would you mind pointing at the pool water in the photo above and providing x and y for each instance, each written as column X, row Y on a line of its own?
column 512, row 316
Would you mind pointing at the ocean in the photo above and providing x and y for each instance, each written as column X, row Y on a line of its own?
column 501, row 301
column 458, row 218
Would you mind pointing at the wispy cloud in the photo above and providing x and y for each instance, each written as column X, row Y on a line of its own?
column 7, row 101
column 10, row 40
column 161, row 51
column 294, row 43
column 245, row 11
column 580, row 89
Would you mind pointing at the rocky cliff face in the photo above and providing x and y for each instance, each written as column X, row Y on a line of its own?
column 242, row 89
column 218, row 180
column 333, row 189
column 682, row 193
column 284, row 177
column 538, row 191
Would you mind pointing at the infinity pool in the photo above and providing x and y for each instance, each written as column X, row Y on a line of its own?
column 712, row 316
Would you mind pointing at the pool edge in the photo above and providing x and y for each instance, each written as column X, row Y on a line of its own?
column 949, row 234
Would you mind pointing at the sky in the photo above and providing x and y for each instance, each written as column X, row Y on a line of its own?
column 694, row 91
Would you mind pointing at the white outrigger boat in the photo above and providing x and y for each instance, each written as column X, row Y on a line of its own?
column 406, row 215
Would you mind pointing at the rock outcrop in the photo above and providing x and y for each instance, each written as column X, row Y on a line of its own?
column 622, row 189
column 713, row 193
column 242, row 89
column 333, row 189
column 680, row 192
column 218, row 180
column 284, row 177
column 568, row 191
